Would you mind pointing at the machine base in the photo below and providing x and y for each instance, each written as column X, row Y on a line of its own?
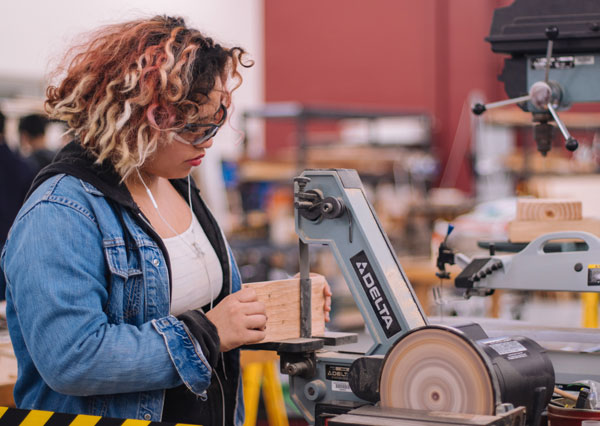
column 376, row 416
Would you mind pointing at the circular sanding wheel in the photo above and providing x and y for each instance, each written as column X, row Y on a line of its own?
column 439, row 370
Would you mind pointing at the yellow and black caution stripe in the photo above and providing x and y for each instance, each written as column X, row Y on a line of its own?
column 16, row 416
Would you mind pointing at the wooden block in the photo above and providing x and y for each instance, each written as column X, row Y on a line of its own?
column 548, row 209
column 282, row 301
column 523, row 231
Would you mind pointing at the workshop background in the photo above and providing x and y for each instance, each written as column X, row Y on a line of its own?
column 381, row 86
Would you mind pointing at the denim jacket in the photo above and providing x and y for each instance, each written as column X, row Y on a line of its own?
column 88, row 297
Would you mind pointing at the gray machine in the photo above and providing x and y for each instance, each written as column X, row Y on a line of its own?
column 560, row 261
column 413, row 370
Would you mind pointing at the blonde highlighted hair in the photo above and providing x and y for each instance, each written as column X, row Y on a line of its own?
column 129, row 82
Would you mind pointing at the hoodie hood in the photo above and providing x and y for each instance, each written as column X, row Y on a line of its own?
column 75, row 160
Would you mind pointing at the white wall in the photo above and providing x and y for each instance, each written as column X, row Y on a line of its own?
column 34, row 34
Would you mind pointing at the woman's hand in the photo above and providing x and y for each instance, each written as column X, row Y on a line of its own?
column 240, row 319
column 327, row 301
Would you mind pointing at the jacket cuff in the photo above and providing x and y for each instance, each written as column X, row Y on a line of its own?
column 205, row 332
column 191, row 365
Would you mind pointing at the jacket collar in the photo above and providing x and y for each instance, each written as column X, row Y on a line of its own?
column 76, row 161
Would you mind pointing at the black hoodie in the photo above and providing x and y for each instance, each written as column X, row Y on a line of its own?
column 181, row 405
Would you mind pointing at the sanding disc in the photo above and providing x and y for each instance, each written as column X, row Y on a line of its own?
column 436, row 369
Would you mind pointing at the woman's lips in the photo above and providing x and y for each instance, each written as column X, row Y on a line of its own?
column 196, row 161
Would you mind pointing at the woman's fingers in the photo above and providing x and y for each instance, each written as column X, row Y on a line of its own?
column 256, row 322
column 254, row 336
column 246, row 295
column 327, row 301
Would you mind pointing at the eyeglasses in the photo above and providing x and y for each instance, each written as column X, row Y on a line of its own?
column 210, row 131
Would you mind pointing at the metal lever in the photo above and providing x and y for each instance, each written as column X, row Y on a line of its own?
column 479, row 109
column 571, row 142
column 551, row 35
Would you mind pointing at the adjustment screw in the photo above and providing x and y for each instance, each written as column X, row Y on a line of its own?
column 301, row 181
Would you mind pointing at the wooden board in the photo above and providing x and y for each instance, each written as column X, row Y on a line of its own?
column 523, row 231
column 282, row 301
column 548, row 209
column 571, row 187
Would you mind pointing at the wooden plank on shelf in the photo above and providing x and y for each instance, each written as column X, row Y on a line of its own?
column 522, row 231
column 514, row 116
column 282, row 301
column 263, row 170
column 548, row 209
column 581, row 187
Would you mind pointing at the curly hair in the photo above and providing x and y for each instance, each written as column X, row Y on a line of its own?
column 131, row 81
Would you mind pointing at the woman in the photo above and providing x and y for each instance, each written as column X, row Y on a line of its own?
column 122, row 294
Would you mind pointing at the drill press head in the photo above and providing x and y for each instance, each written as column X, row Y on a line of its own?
column 554, row 49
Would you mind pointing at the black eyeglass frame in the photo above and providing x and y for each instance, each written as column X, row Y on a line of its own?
column 210, row 132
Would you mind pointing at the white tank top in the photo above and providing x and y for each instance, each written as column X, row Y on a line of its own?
column 197, row 277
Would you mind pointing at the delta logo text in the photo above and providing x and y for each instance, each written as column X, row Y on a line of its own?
column 376, row 296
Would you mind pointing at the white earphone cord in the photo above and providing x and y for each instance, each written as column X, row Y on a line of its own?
column 155, row 204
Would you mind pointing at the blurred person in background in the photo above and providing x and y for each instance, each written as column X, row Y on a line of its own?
column 130, row 306
column 16, row 176
column 32, row 134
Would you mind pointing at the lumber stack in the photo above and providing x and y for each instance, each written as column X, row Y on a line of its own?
column 282, row 301
column 537, row 217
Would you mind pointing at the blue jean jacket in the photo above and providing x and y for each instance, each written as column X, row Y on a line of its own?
column 88, row 316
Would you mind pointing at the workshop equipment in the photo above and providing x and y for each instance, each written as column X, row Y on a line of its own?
column 498, row 375
column 559, row 261
column 554, row 60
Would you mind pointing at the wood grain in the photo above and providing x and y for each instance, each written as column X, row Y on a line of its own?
column 282, row 301
column 524, row 231
column 548, row 209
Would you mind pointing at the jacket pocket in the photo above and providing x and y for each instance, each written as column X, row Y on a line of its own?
column 125, row 291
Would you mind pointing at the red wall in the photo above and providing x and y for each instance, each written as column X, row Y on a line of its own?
column 414, row 54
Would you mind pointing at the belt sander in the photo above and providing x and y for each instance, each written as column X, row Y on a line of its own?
column 414, row 371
